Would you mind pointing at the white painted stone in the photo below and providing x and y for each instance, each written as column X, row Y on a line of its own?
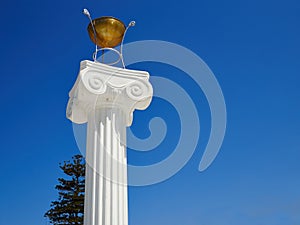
column 105, row 97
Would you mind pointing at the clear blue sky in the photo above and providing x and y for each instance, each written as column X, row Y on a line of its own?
column 253, row 47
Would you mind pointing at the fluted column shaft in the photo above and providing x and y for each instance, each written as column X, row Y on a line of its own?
column 106, row 171
column 105, row 97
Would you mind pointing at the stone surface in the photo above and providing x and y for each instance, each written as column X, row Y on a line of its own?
column 99, row 86
column 105, row 97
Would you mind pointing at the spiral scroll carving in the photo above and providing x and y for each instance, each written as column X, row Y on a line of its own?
column 137, row 90
column 95, row 83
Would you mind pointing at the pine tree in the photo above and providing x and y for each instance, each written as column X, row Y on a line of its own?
column 68, row 209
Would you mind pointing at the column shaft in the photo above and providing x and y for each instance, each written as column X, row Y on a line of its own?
column 106, row 169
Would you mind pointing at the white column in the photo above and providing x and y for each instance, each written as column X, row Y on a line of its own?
column 105, row 97
column 106, row 187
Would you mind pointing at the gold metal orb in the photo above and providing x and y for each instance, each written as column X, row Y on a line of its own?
column 109, row 31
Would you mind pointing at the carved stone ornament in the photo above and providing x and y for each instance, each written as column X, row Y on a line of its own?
column 102, row 86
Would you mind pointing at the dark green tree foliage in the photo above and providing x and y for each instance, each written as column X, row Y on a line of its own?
column 68, row 209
